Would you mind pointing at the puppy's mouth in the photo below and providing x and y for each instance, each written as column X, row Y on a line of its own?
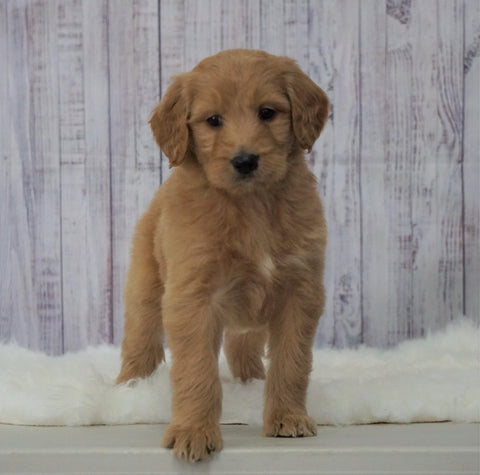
column 245, row 178
column 244, row 172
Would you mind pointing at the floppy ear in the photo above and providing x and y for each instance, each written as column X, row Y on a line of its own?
column 169, row 122
column 309, row 108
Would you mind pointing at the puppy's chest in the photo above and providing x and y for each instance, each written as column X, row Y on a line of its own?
column 253, row 245
column 247, row 273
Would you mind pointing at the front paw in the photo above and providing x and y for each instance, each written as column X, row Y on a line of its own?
column 289, row 425
column 193, row 443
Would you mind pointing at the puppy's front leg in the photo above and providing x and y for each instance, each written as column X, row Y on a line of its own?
column 292, row 333
column 194, row 336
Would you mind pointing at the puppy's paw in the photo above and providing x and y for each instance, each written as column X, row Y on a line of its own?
column 290, row 425
column 248, row 370
column 193, row 443
column 134, row 367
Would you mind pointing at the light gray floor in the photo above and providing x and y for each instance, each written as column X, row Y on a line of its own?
column 415, row 448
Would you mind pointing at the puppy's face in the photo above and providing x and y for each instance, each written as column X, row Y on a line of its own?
column 241, row 114
column 241, row 127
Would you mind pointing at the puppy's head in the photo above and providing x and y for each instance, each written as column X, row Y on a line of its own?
column 243, row 115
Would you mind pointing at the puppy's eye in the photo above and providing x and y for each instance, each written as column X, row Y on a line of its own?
column 265, row 114
column 214, row 121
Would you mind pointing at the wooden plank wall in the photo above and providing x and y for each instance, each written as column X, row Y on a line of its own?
column 398, row 163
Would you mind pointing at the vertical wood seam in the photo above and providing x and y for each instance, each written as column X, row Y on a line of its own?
column 60, row 191
column 360, row 150
column 260, row 8
column 462, row 173
column 110, row 178
column 159, row 36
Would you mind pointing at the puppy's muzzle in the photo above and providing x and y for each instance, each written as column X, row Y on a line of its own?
column 245, row 163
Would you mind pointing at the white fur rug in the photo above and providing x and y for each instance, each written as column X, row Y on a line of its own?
column 433, row 379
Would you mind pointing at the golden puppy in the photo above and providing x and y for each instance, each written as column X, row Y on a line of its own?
column 234, row 241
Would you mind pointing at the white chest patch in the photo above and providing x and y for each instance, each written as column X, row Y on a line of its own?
column 267, row 267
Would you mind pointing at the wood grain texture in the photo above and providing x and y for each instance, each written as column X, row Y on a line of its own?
column 471, row 158
column 31, row 269
column 7, row 176
column 434, row 240
column 398, row 163
column 378, row 289
column 85, row 172
column 134, row 86
column 446, row 301
column 321, row 70
column 336, row 36
column 272, row 26
column 412, row 270
column 296, row 37
column 239, row 24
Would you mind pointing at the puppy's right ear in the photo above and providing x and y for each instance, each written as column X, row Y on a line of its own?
column 169, row 122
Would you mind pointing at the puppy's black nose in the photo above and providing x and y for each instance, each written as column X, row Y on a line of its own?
column 245, row 163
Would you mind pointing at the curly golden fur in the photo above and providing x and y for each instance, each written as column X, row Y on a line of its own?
column 235, row 241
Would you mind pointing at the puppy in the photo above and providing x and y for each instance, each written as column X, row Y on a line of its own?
column 234, row 241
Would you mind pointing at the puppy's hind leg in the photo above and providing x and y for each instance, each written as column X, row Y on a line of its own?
column 244, row 352
column 142, row 347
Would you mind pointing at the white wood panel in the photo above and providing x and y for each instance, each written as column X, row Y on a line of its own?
column 8, row 179
column 135, row 169
column 198, row 32
column 471, row 158
column 31, row 270
column 440, row 300
column 432, row 245
column 421, row 251
column 296, row 31
column 377, row 285
column 239, row 24
column 85, row 172
column 336, row 42
column 45, row 219
column 272, row 26
column 397, row 319
column 321, row 70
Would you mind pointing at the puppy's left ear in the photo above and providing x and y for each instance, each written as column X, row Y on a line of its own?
column 169, row 122
column 310, row 108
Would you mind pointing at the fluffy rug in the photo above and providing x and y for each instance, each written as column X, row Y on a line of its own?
column 432, row 379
